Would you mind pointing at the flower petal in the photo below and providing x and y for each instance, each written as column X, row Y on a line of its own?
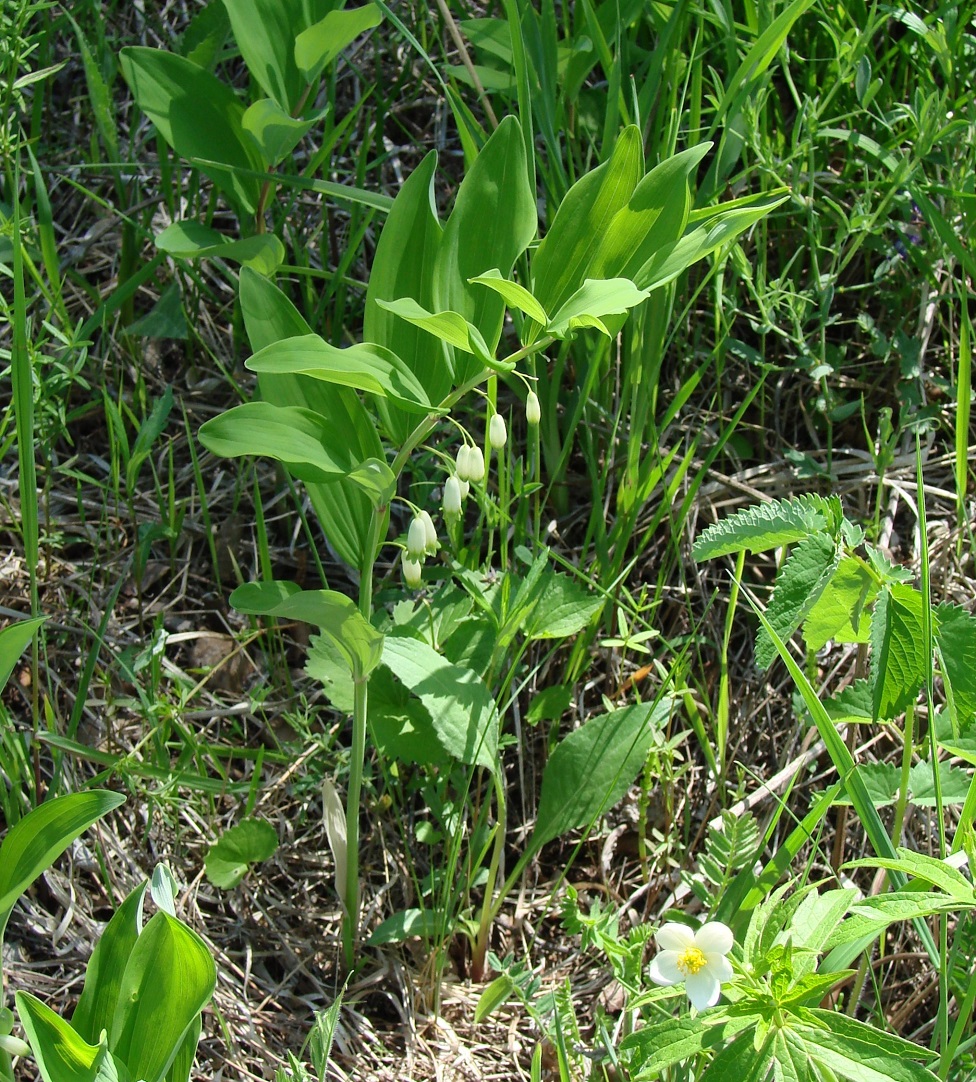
column 675, row 937
column 720, row 967
column 664, row 968
column 714, row 938
column 703, row 989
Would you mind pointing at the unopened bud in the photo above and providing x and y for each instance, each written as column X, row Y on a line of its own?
column 462, row 462
column 14, row 1046
column 430, row 533
column 452, row 496
column 412, row 572
column 417, row 539
column 476, row 464
column 465, row 489
column 497, row 432
column 533, row 411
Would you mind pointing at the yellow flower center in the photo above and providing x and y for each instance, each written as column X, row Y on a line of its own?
column 691, row 960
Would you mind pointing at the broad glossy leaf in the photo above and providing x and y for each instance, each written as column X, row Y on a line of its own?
column 403, row 267
column 61, row 1054
column 275, row 133
column 594, row 766
column 365, row 366
column 343, row 508
column 249, row 842
column 103, row 977
column 514, row 295
column 376, row 479
column 450, row 327
column 593, row 300
column 43, row 834
column 461, row 707
column 199, row 116
column 493, row 221
column 320, row 44
column 168, row 980
column 192, row 240
column 302, row 441
column 14, row 640
column 564, row 608
column 360, row 644
column 565, row 257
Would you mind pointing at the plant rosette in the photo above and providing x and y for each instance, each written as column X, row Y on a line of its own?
column 696, row 959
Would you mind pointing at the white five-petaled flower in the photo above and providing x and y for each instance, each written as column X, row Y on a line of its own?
column 695, row 958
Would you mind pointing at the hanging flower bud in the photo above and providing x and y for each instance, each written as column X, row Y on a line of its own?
column 497, row 432
column 462, row 462
column 465, row 489
column 476, row 464
column 533, row 411
column 452, row 496
column 417, row 539
column 412, row 572
column 430, row 548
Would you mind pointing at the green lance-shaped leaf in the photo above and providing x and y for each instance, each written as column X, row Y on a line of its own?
column 593, row 767
column 199, row 116
column 103, row 977
column 320, row 44
column 61, row 1054
column 149, row 431
column 403, row 267
column 265, row 32
column 742, row 1060
column 769, row 526
column 594, row 299
column 461, row 707
column 247, row 843
column 801, row 581
column 701, row 238
column 898, row 662
column 302, row 441
column 359, row 643
column 14, row 640
column 449, row 327
column 168, row 980
column 365, row 366
column 566, row 255
column 43, row 834
column 842, row 611
column 514, row 295
column 344, row 509
column 939, row 873
column 192, row 240
column 654, row 218
column 493, row 221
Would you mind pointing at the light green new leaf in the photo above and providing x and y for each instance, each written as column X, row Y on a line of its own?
column 61, row 1054
column 365, row 366
column 449, row 327
column 493, row 221
column 565, row 257
column 841, row 613
column 103, row 977
column 320, row 44
column 303, row 442
column 514, row 295
column 14, row 640
column 799, row 584
column 199, row 116
column 898, row 661
column 265, row 32
column 247, row 843
column 376, row 479
column 595, row 298
column 461, row 707
column 593, row 767
column 344, row 510
column 168, row 980
column 263, row 252
column 149, row 431
column 359, row 643
column 34, row 843
column 275, row 133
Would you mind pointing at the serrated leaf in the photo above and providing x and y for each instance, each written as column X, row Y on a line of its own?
column 955, row 641
column 880, row 781
column 861, row 1060
column 769, row 526
column 954, row 784
column 818, row 915
column 840, row 612
column 249, row 842
column 853, row 702
column 898, row 662
column 801, row 581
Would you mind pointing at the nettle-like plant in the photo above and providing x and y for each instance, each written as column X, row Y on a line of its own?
column 348, row 422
